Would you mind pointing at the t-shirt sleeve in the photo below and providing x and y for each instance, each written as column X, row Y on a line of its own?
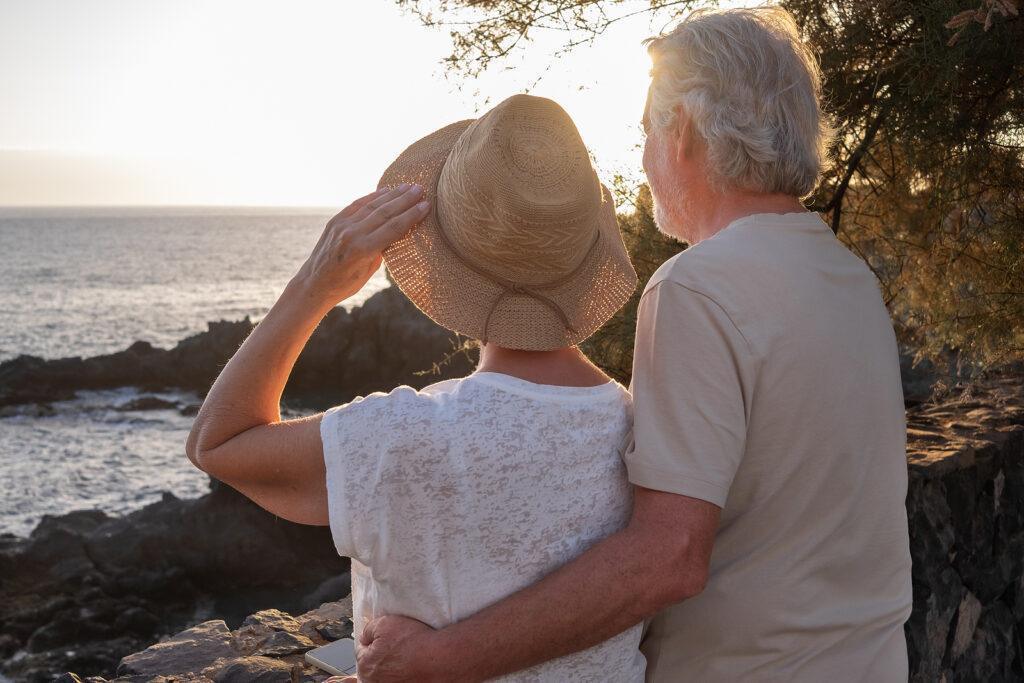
column 692, row 372
column 353, row 456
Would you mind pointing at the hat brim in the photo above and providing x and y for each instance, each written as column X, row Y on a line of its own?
column 459, row 299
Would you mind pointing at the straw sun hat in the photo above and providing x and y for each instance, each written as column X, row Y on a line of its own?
column 521, row 248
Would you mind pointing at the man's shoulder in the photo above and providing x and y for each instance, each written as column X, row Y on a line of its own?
column 726, row 250
column 737, row 272
column 707, row 268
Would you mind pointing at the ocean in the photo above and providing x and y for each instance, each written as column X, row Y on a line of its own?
column 88, row 281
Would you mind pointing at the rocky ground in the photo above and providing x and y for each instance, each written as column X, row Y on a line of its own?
column 87, row 589
column 268, row 647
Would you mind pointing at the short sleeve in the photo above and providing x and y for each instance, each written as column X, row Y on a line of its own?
column 353, row 457
column 692, row 373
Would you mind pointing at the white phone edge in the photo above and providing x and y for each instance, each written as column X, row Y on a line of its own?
column 329, row 668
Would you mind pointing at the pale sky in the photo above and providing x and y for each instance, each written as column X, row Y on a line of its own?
column 300, row 103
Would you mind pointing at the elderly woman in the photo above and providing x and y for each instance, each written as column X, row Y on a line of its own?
column 452, row 497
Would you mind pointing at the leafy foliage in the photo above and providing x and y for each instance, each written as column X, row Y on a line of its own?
column 611, row 347
column 927, row 180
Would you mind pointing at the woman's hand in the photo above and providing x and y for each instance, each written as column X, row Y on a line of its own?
column 349, row 250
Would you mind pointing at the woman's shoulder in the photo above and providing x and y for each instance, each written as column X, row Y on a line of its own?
column 401, row 399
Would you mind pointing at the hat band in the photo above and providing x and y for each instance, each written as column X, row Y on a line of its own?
column 510, row 287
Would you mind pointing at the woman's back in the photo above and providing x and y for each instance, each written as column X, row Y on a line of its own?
column 454, row 496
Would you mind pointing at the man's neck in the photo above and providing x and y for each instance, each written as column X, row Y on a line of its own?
column 723, row 209
column 567, row 366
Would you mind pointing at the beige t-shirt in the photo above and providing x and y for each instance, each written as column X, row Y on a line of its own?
column 766, row 380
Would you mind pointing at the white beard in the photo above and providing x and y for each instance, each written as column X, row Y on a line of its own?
column 671, row 208
column 661, row 220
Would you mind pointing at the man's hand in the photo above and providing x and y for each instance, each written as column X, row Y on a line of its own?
column 349, row 250
column 393, row 648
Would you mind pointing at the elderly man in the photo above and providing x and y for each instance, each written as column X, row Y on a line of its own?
column 768, row 539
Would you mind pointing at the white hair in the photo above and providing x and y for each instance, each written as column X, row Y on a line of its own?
column 752, row 88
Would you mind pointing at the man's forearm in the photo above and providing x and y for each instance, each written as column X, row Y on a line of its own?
column 596, row 596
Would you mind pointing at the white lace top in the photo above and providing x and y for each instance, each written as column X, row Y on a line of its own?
column 452, row 497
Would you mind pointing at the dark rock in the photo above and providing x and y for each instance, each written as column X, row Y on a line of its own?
column 63, row 630
column 375, row 346
column 255, row 670
column 272, row 619
column 147, row 403
column 331, row 589
column 55, row 549
column 97, row 655
column 137, row 620
column 335, row 630
column 29, row 410
column 189, row 651
column 91, row 588
column 281, row 643
column 8, row 645
column 75, row 522
column 26, row 615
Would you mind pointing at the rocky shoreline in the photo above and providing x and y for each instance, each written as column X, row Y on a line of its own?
column 385, row 342
column 86, row 589
column 205, row 589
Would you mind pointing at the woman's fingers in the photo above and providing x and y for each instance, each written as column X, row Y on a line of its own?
column 389, row 195
column 374, row 221
column 387, row 206
column 359, row 203
column 395, row 227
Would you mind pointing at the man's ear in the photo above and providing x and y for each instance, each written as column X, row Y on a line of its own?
column 684, row 135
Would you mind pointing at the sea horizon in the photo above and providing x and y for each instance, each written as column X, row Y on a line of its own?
column 202, row 209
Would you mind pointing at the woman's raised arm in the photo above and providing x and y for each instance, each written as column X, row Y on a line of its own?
column 238, row 435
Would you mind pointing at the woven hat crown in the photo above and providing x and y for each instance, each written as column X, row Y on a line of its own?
column 521, row 247
column 518, row 195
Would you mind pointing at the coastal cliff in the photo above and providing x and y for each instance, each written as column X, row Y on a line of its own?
column 205, row 589
column 385, row 342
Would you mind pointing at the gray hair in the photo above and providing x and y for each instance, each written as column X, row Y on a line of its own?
column 753, row 90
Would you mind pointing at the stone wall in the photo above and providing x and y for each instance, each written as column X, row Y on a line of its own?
column 966, row 511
